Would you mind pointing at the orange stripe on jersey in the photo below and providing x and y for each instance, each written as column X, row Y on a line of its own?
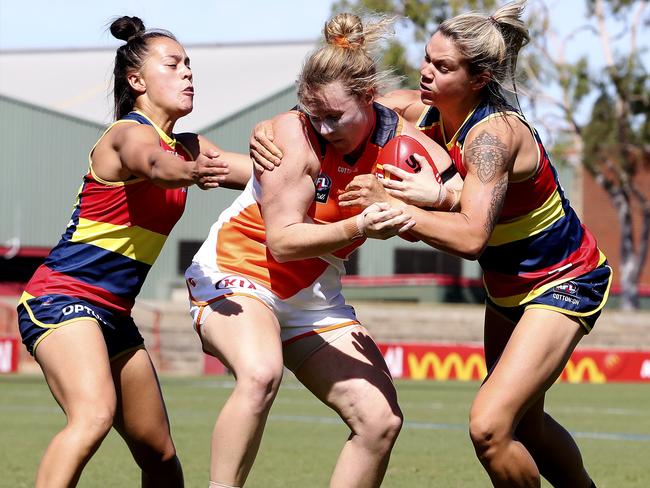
column 241, row 250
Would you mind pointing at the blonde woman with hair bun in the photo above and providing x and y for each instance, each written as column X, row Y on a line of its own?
column 546, row 281
column 265, row 287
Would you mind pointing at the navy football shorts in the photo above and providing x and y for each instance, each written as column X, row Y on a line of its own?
column 40, row 316
column 582, row 298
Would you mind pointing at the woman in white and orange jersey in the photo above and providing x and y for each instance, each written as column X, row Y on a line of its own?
column 265, row 286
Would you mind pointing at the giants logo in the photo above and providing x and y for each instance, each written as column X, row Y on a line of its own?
column 323, row 187
column 235, row 281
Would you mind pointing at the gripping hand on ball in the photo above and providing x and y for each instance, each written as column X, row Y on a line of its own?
column 421, row 189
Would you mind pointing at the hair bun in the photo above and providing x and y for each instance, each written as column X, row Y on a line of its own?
column 345, row 31
column 126, row 27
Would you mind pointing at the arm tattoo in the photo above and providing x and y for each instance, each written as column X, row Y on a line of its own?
column 496, row 203
column 488, row 154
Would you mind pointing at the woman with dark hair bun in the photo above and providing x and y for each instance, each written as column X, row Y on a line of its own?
column 75, row 312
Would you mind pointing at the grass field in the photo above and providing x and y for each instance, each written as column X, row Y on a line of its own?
column 611, row 423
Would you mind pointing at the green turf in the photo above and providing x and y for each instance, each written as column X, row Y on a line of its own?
column 303, row 437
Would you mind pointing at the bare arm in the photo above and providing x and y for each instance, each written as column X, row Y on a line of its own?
column 423, row 189
column 288, row 193
column 240, row 165
column 407, row 103
column 490, row 152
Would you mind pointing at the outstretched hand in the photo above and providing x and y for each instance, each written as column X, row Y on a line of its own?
column 209, row 171
column 265, row 154
column 421, row 189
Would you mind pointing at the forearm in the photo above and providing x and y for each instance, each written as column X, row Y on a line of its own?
column 241, row 168
column 451, row 232
column 309, row 240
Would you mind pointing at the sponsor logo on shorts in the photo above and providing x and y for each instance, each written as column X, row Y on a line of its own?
column 566, row 292
column 78, row 309
column 323, row 187
column 235, row 281
column 46, row 300
column 568, row 288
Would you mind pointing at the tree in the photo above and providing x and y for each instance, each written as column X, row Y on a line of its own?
column 612, row 143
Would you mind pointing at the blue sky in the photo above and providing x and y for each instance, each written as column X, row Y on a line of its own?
column 29, row 24
column 37, row 24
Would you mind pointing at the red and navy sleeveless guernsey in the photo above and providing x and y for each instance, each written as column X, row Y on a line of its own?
column 538, row 241
column 116, row 232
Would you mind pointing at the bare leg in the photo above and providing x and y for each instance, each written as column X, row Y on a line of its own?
column 245, row 335
column 532, row 359
column 351, row 377
column 75, row 364
column 141, row 419
column 553, row 449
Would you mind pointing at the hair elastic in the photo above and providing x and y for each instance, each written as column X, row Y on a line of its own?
column 342, row 42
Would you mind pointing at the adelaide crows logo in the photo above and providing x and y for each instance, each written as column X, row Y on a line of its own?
column 323, row 186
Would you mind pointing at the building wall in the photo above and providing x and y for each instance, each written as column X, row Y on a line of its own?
column 602, row 219
column 44, row 156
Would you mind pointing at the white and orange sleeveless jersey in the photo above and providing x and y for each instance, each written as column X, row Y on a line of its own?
column 234, row 259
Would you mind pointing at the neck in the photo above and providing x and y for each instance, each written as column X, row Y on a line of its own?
column 454, row 114
column 158, row 117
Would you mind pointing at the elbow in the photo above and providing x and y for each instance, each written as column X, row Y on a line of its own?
column 281, row 253
column 472, row 249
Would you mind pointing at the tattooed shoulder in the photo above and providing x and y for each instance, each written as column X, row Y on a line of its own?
column 488, row 153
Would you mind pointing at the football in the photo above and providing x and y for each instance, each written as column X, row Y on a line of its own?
column 399, row 152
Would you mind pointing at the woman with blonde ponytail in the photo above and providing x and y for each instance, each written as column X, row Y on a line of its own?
column 545, row 278
column 265, row 287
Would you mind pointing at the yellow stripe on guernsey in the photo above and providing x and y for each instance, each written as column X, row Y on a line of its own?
column 132, row 242
column 530, row 224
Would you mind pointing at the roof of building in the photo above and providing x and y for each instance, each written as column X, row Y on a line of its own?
column 227, row 78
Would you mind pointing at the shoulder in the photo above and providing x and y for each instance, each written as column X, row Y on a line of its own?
column 296, row 139
column 407, row 103
column 291, row 131
column 504, row 128
column 123, row 133
column 288, row 121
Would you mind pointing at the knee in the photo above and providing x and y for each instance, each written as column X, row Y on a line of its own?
column 259, row 385
column 375, row 420
column 488, row 433
column 157, row 458
column 92, row 422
